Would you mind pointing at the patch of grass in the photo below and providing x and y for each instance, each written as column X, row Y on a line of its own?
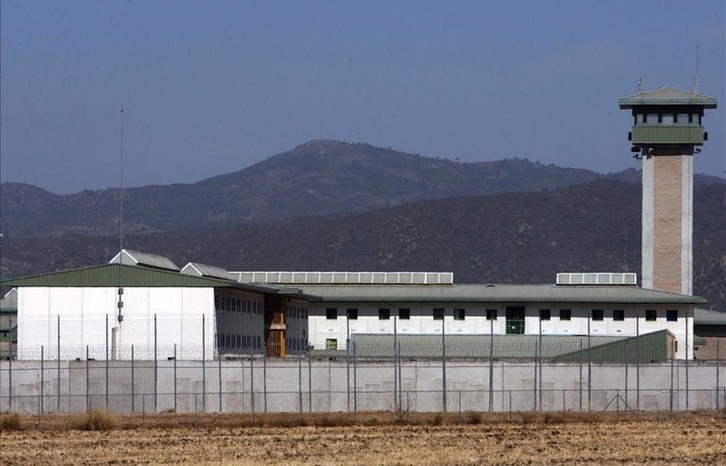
column 438, row 419
column 553, row 418
column 473, row 417
column 94, row 420
column 10, row 421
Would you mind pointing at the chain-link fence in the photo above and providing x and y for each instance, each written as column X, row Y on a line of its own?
column 255, row 384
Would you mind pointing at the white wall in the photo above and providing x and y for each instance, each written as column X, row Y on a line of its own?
column 88, row 315
column 475, row 322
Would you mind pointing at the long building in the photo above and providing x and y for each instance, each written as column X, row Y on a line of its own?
column 418, row 303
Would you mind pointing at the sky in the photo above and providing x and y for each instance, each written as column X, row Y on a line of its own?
column 209, row 88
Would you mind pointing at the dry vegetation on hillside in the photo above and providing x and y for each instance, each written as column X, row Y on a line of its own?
column 370, row 439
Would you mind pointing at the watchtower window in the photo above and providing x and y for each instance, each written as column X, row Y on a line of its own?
column 667, row 119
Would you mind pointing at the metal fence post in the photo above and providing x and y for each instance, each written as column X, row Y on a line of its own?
column 299, row 384
column 133, row 385
column 106, row 366
column 219, row 371
column 204, row 367
column 264, row 378
column 88, row 377
column 252, row 384
column 355, row 382
column 10, row 384
column 443, row 357
column 491, row 365
column 310, row 383
column 718, row 363
column 42, row 379
column 175, row 390
column 156, row 368
column 59, row 368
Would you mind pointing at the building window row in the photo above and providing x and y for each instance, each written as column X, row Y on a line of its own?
column 667, row 119
column 229, row 340
column 297, row 312
column 297, row 344
column 226, row 303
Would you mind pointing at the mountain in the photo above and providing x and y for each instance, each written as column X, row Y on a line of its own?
column 521, row 237
column 316, row 178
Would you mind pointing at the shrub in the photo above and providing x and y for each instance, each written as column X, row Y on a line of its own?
column 473, row 417
column 94, row 420
column 10, row 421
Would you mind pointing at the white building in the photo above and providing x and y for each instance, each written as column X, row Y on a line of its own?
column 143, row 306
column 431, row 304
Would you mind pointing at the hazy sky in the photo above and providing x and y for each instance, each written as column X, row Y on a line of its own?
column 212, row 87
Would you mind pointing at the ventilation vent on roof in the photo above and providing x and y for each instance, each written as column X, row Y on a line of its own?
column 600, row 278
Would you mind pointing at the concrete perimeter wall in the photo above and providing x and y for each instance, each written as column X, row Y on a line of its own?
column 309, row 385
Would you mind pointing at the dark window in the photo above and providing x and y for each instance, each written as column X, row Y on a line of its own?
column 331, row 344
column 597, row 314
column 331, row 313
column 672, row 316
column 491, row 314
column 404, row 314
column 651, row 315
column 459, row 314
column 544, row 314
column 438, row 314
column 565, row 314
column 384, row 314
column 353, row 314
column 618, row 314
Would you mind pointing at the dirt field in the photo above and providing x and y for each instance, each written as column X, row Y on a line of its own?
column 372, row 439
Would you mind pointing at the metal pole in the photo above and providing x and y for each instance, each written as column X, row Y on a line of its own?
column 156, row 367
column 264, row 377
column 539, row 359
column 175, row 392
column 395, row 367
column 673, row 354
column 310, row 383
column 133, row 385
column 10, row 384
column 626, row 371
column 491, row 365
column 580, row 358
column 106, row 363
column 347, row 354
column 252, row 383
column 355, row 383
column 219, row 373
column 443, row 356
column 718, row 363
column 299, row 384
column 637, row 362
column 88, row 376
column 204, row 367
column 534, row 386
column 589, row 365
column 400, row 378
column 59, row 369
column 687, row 357
column 42, row 379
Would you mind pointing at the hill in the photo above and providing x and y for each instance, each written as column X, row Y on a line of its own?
column 316, row 178
column 520, row 237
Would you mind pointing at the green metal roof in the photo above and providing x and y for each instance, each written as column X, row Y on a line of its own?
column 667, row 96
column 497, row 294
column 707, row 317
column 107, row 275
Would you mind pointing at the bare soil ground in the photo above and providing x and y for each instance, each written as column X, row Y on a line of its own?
column 371, row 439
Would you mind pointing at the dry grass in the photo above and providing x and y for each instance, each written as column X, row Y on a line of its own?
column 9, row 421
column 375, row 438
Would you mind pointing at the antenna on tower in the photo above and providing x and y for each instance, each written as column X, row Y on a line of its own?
column 640, row 85
column 695, row 83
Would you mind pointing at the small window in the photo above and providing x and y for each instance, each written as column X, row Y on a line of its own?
column 565, row 314
column 331, row 313
column 239, row 341
column 544, row 314
column 352, row 314
column 672, row 316
column 384, row 314
column 618, row 315
column 404, row 314
column 491, row 314
column 651, row 315
column 438, row 314
column 459, row 314
column 331, row 344
column 597, row 314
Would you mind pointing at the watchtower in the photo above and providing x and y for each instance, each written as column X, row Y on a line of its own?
column 667, row 131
